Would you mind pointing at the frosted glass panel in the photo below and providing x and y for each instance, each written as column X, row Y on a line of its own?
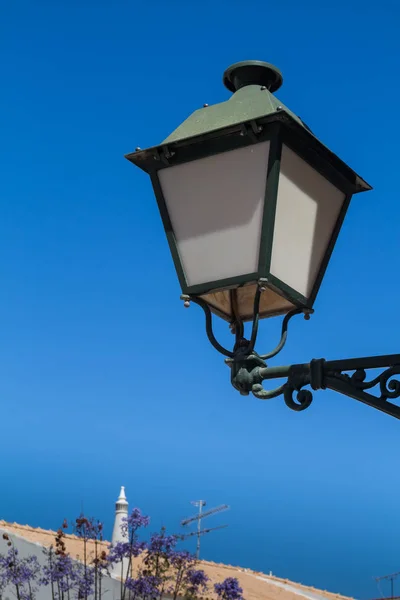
column 215, row 206
column 307, row 210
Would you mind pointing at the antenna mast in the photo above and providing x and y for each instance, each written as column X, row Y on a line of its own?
column 200, row 504
column 391, row 578
column 202, row 515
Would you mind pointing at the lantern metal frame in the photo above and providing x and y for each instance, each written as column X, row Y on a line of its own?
column 208, row 133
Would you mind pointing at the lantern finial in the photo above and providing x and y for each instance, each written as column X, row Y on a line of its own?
column 252, row 72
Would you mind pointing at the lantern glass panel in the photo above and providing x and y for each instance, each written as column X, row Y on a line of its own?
column 307, row 210
column 215, row 205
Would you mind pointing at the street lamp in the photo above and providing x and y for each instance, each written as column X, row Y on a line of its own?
column 252, row 204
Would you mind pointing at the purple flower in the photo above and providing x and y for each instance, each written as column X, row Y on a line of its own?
column 145, row 586
column 22, row 573
column 122, row 550
column 117, row 552
column 133, row 522
column 229, row 589
column 181, row 558
column 83, row 581
column 196, row 580
column 60, row 569
column 3, row 581
column 162, row 544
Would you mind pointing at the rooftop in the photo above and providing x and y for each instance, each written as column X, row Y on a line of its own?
column 256, row 585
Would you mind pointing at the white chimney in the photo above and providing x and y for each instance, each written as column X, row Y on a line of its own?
column 121, row 512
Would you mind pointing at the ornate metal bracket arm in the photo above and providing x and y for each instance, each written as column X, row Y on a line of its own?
column 356, row 386
column 348, row 377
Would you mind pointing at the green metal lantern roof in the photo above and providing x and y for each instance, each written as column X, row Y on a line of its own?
column 251, row 107
column 252, row 83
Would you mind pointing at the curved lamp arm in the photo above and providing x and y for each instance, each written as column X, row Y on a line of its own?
column 285, row 324
column 238, row 325
column 209, row 328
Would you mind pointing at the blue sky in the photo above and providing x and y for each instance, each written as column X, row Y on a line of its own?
column 105, row 378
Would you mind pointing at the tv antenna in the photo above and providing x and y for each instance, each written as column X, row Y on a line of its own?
column 202, row 515
column 391, row 578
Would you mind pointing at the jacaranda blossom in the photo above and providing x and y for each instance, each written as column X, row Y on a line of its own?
column 229, row 589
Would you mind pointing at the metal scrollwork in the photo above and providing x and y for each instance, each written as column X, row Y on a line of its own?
column 295, row 397
column 303, row 397
column 262, row 394
column 349, row 377
column 356, row 385
column 389, row 388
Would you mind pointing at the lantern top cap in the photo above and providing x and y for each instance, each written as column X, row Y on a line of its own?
column 252, row 72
